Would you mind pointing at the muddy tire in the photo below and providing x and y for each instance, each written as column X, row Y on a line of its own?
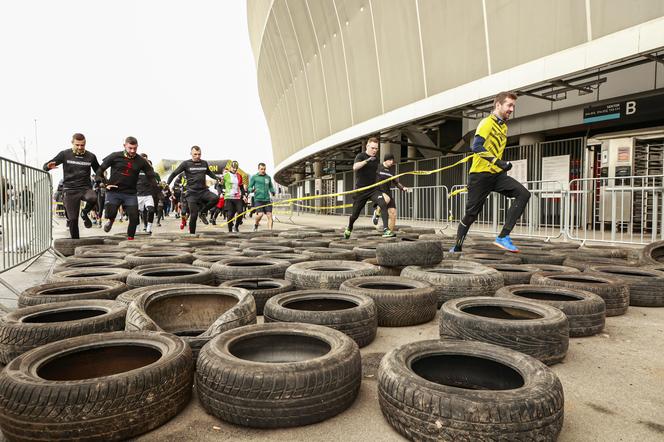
column 585, row 311
column 73, row 263
column 457, row 279
column 160, row 274
column 292, row 258
column 300, row 234
column 384, row 270
column 399, row 301
column 327, row 274
column 82, row 395
column 353, row 315
column 540, row 257
column 469, row 391
column 67, row 246
column 581, row 262
column 94, row 274
column 262, row 289
column 327, row 254
column 550, row 269
column 515, row 273
column 409, row 253
column 196, row 313
column 70, row 291
column 490, row 258
column 262, row 249
column 245, row 267
column 652, row 254
column 310, row 242
column 159, row 257
column 318, row 376
column 538, row 330
column 613, row 291
column 646, row 286
column 31, row 327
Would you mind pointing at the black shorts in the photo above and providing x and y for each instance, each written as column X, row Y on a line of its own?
column 266, row 209
column 124, row 199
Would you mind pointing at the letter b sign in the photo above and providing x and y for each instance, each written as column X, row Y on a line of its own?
column 630, row 107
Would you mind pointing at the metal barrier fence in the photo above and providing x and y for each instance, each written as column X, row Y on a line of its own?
column 284, row 210
column 624, row 210
column 25, row 214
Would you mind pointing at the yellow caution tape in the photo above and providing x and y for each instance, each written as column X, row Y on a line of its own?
column 341, row 206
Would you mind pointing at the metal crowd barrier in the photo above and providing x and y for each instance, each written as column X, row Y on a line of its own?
column 25, row 215
column 425, row 205
column 284, row 210
column 623, row 210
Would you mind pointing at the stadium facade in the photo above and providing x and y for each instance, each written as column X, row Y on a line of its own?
column 422, row 73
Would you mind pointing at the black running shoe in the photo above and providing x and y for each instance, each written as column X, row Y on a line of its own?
column 107, row 226
column 87, row 222
column 203, row 218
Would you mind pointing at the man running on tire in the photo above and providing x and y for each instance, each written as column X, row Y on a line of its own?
column 488, row 173
column 199, row 198
column 121, row 186
column 146, row 188
column 261, row 185
column 77, row 186
column 365, row 167
column 234, row 189
column 385, row 171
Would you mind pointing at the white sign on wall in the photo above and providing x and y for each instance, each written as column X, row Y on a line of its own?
column 555, row 169
column 340, row 188
column 519, row 170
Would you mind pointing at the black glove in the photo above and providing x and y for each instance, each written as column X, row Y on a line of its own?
column 371, row 159
column 505, row 165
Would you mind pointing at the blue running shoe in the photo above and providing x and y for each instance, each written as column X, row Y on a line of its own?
column 454, row 250
column 506, row 244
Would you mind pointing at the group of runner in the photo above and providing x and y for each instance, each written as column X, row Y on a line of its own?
column 135, row 187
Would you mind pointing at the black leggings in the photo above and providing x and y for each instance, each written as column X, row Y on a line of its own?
column 132, row 216
column 199, row 202
column 232, row 208
column 480, row 185
column 360, row 202
column 72, row 203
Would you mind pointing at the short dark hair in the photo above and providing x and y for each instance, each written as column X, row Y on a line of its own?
column 373, row 140
column 388, row 157
column 144, row 155
column 502, row 96
column 77, row 136
column 131, row 140
column 261, row 164
column 196, row 148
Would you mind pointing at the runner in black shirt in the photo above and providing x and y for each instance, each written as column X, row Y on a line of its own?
column 77, row 187
column 146, row 190
column 121, row 187
column 365, row 167
column 199, row 198
column 385, row 171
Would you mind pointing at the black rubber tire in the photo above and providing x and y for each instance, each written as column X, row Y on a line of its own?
column 292, row 258
column 353, row 315
column 384, row 270
column 310, row 242
column 540, row 257
column 327, row 254
column 490, row 258
column 246, row 267
column 407, row 253
column 268, row 241
column 261, row 289
column 515, row 273
column 582, row 262
column 76, row 262
column 585, row 311
column 538, row 330
column 159, row 274
column 613, row 291
column 399, row 301
column 300, row 234
column 646, row 286
column 196, row 313
column 159, row 257
column 146, row 389
column 214, row 256
column 71, row 291
column 80, row 250
column 206, row 264
column 67, row 246
column 262, row 249
column 22, row 330
column 365, row 251
column 327, row 274
column 102, row 254
column 131, row 245
column 248, row 388
column 608, row 251
column 426, row 398
column 652, row 254
column 457, row 279
column 128, row 297
column 96, row 274
column 550, row 269
column 348, row 244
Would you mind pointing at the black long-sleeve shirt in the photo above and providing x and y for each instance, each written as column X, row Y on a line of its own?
column 146, row 185
column 124, row 171
column 76, row 168
column 195, row 173
column 385, row 173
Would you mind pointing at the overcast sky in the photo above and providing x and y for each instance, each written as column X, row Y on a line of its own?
column 171, row 73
